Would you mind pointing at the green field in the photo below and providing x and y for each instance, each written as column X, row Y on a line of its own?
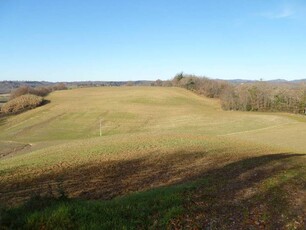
column 166, row 158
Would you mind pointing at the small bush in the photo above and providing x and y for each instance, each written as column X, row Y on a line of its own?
column 41, row 91
column 22, row 90
column 21, row 103
column 38, row 91
column 59, row 86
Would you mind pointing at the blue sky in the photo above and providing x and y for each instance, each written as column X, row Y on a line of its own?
column 137, row 39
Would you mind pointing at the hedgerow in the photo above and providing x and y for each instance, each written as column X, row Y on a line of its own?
column 21, row 104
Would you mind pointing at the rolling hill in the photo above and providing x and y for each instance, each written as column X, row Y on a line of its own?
column 166, row 157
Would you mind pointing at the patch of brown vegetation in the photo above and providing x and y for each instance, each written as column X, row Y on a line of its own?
column 21, row 103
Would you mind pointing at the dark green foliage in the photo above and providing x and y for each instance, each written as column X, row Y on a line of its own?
column 177, row 78
column 138, row 211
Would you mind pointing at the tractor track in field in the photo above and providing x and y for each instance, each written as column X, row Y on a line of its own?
column 255, row 130
column 14, row 150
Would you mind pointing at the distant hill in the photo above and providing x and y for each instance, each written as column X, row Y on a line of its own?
column 299, row 81
column 106, row 83
column 240, row 81
column 279, row 81
column 8, row 86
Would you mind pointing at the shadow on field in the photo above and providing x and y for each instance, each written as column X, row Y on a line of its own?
column 45, row 102
column 265, row 191
column 108, row 179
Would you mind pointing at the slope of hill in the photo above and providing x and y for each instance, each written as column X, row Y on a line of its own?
column 173, row 158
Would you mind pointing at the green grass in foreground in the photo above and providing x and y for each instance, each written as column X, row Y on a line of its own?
column 154, row 208
column 213, row 201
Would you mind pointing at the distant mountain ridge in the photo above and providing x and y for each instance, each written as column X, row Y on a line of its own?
column 8, row 86
column 239, row 81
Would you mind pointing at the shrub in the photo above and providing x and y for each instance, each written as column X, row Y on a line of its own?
column 201, row 85
column 38, row 91
column 21, row 103
column 59, row 86
column 22, row 90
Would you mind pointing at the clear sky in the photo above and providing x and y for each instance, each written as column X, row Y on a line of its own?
column 70, row 40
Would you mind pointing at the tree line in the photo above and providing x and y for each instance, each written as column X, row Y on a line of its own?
column 254, row 96
column 41, row 91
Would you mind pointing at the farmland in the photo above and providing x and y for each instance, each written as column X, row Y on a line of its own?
column 166, row 157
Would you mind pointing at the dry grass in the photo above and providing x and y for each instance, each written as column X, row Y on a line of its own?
column 153, row 137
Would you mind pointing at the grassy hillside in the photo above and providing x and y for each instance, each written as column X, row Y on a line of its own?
column 171, row 158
